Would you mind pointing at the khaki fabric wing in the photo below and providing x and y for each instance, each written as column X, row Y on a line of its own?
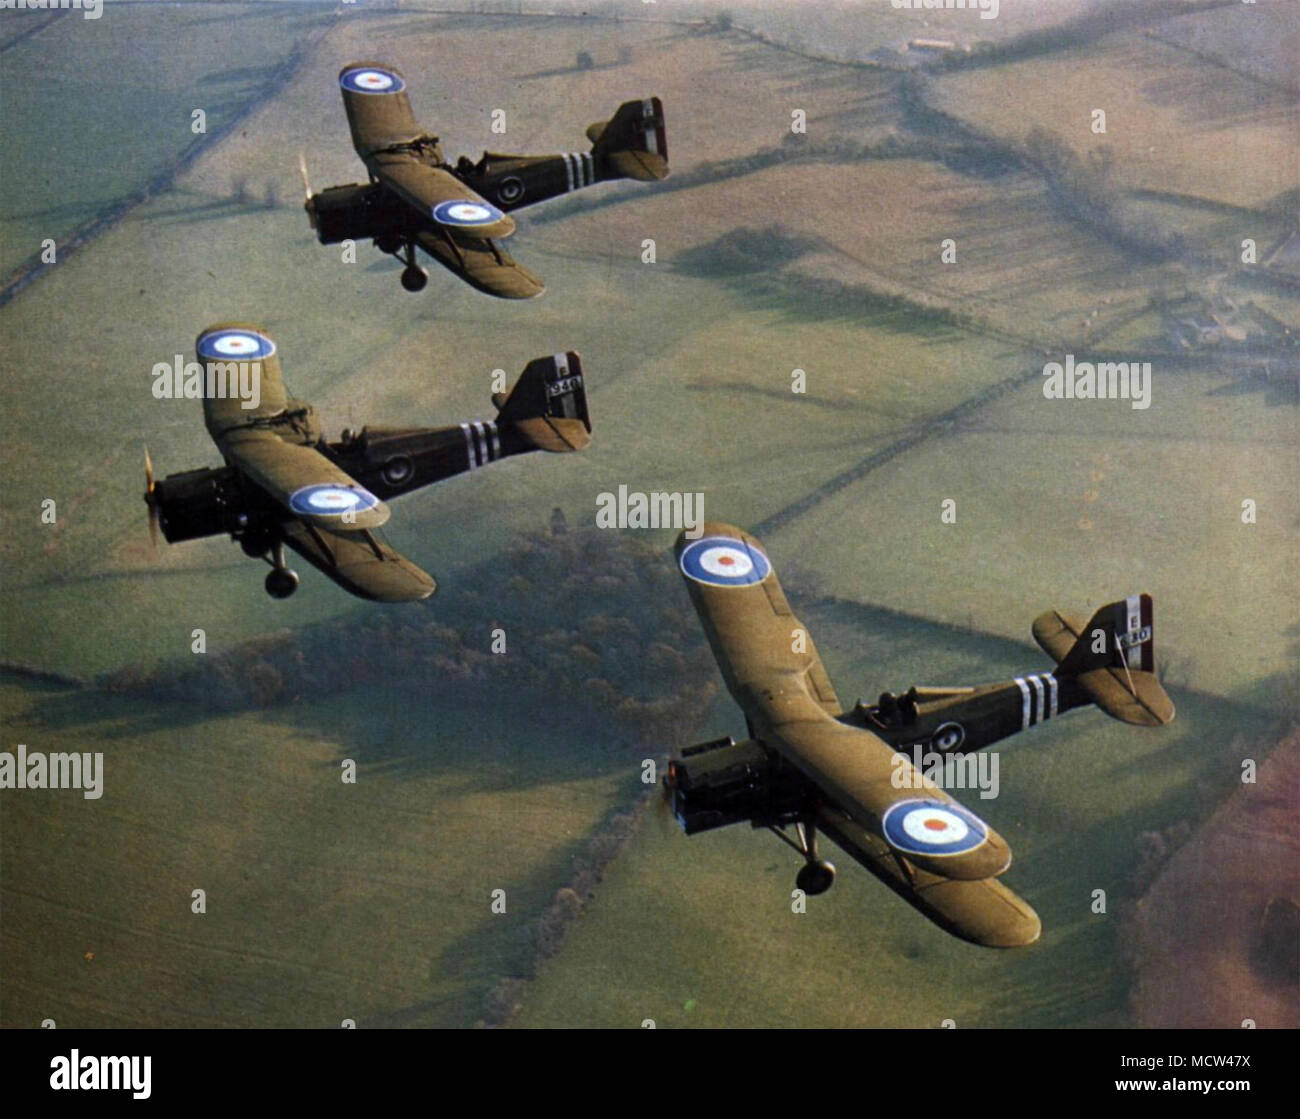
column 235, row 355
column 862, row 775
column 360, row 563
column 289, row 472
column 752, row 630
column 427, row 189
column 496, row 273
column 378, row 107
column 983, row 912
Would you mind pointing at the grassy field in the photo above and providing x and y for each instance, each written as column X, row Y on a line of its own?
column 107, row 115
column 330, row 901
column 325, row 900
column 1172, row 121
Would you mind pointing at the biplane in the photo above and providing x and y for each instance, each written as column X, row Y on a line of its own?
column 809, row 766
column 283, row 484
column 458, row 214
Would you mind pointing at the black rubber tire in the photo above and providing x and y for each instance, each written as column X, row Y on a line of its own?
column 414, row 279
column 281, row 582
column 815, row 878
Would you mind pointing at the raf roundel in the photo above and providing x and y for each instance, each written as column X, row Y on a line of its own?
column 234, row 345
column 931, row 827
column 328, row 500
column 724, row 561
column 371, row 79
column 466, row 213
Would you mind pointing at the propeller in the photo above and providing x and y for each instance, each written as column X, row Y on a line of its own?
column 306, row 182
column 151, row 498
column 663, row 807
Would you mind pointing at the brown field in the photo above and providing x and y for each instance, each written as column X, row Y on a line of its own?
column 1202, row 915
column 1173, row 122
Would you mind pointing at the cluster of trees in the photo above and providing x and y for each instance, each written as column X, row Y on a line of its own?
column 1085, row 189
column 548, row 933
column 596, row 620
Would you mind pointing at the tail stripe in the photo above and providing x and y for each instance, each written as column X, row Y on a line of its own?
column 1024, row 704
column 577, row 164
column 480, row 430
column 651, row 136
column 496, row 440
column 568, row 170
column 1041, row 706
column 1053, row 688
column 471, row 449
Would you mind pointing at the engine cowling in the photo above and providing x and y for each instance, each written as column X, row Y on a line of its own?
column 727, row 782
column 355, row 212
column 198, row 503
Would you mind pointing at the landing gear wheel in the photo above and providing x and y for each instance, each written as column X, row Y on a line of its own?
column 414, row 277
column 389, row 245
column 815, row 878
column 281, row 582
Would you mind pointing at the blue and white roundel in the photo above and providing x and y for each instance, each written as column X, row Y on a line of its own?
column 371, row 79
column 931, row 827
column 325, row 499
column 234, row 345
column 464, row 213
column 724, row 561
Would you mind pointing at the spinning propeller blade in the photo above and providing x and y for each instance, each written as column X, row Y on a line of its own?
column 306, row 183
column 151, row 498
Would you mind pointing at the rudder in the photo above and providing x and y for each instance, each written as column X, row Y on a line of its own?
column 634, row 144
column 548, row 404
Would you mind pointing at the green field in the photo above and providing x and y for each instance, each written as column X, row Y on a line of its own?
column 370, row 901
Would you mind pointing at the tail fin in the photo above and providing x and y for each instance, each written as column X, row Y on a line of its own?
column 1112, row 658
column 548, row 405
column 634, row 145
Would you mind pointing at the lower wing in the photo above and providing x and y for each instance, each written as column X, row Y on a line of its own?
column 359, row 562
column 482, row 265
column 981, row 911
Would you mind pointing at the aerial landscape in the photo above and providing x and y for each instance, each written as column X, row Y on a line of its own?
column 835, row 325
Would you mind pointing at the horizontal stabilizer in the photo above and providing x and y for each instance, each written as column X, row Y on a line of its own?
column 1111, row 657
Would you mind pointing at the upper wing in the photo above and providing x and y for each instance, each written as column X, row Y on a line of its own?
column 378, row 108
column 360, row 562
column 772, row 669
column 487, row 267
column 756, row 638
column 242, row 378
column 983, row 911
column 303, row 480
